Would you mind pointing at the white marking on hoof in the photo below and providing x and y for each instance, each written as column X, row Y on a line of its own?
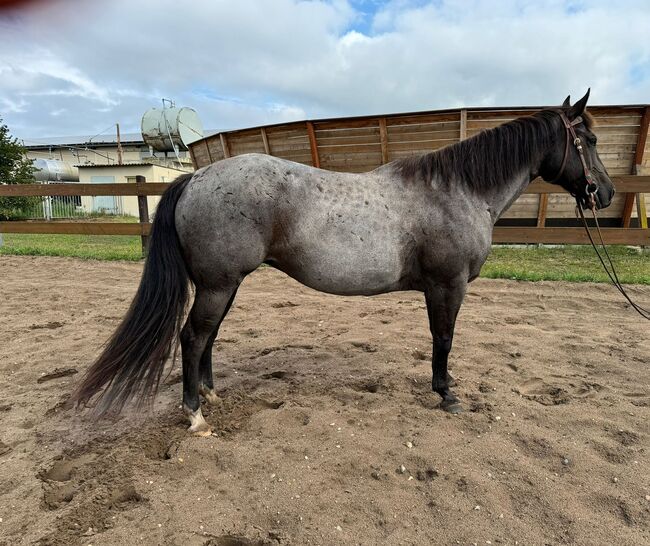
column 210, row 396
column 198, row 425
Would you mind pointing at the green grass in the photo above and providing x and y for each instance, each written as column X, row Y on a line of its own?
column 569, row 263
column 98, row 247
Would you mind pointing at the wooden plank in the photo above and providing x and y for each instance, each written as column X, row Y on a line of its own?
column 432, row 127
column 347, row 140
column 368, row 133
column 626, row 216
column 541, row 211
column 292, row 151
column 284, row 147
column 265, row 140
column 207, row 149
column 346, row 124
column 313, row 145
column 383, row 139
column 224, row 145
column 621, row 121
column 350, row 149
column 292, row 126
column 644, row 126
column 565, row 235
column 194, row 162
column 143, row 212
column 450, row 127
column 421, row 146
column 249, row 135
column 76, row 228
column 419, row 135
column 496, row 114
column 463, row 124
column 641, row 210
column 214, row 147
column 623, row 183
column 282, row 133
column 18, row 190
column 392, row 121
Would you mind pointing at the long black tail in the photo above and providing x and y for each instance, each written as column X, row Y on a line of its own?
column 133, row 360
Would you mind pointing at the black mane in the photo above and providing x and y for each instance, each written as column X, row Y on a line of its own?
column 492, row 156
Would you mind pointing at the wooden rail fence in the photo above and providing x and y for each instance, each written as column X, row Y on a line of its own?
column 627, row 184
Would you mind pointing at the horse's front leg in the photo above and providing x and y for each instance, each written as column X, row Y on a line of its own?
column 443, row 302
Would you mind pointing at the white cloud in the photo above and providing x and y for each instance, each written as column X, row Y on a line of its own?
column 252, row 62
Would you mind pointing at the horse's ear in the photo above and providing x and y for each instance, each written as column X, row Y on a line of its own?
column 567, row 102
column 579, row 107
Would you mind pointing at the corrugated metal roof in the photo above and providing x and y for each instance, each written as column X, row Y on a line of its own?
column 127, row 139
column 135, row 164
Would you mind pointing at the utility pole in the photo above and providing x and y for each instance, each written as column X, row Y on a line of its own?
column 119, row 145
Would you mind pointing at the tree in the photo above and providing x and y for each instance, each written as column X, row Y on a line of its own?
column 15, row 168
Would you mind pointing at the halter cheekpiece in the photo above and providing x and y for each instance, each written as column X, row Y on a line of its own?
column 591, row 188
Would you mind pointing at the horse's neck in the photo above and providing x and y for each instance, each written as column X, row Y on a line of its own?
column 500, row 198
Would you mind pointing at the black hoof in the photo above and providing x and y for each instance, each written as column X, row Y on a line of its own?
column 452, row 406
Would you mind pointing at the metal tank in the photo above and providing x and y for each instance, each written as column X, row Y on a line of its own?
column 54, row 170
column 168, row 128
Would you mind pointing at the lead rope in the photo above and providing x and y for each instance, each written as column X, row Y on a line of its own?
column 613, row 276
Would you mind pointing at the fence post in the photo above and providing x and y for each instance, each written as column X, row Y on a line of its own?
column 143, row 210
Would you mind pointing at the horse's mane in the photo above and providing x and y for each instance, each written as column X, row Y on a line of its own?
column 491, row 157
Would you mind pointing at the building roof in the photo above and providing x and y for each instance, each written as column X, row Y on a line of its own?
column 107, row 140
column 130, row 164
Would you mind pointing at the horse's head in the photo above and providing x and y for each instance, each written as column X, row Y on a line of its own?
column 573, row 161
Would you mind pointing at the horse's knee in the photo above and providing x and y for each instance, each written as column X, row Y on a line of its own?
column 442, row 344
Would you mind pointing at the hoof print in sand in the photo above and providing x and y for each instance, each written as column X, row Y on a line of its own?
column 543, row 393
column 552, row 395
column 234, row 540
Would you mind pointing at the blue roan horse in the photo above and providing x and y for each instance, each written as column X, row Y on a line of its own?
column 422, row 223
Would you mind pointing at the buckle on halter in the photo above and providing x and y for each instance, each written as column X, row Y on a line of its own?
column 591, row 187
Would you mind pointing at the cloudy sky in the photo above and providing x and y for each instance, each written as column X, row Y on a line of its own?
column 71, row 67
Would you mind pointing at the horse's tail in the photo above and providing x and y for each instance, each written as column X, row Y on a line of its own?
column 133, row 360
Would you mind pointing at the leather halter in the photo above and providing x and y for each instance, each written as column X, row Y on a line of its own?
column 591, row 188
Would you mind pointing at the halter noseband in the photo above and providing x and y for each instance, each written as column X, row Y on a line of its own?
column 591, row 188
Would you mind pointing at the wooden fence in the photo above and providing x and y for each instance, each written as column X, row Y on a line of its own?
column 625, row 234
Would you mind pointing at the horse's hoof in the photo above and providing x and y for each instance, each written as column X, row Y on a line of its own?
column 211, row 397
column 198, row 425
column 202, row 429
column 452, row 407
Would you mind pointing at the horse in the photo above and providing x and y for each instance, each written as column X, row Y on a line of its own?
column 422, row 223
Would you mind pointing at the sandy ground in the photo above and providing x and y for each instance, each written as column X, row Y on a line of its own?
column 324, row 400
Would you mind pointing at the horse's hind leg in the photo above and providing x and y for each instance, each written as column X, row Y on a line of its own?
column 443, row 303
column 206, row 382
column 204, row 318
